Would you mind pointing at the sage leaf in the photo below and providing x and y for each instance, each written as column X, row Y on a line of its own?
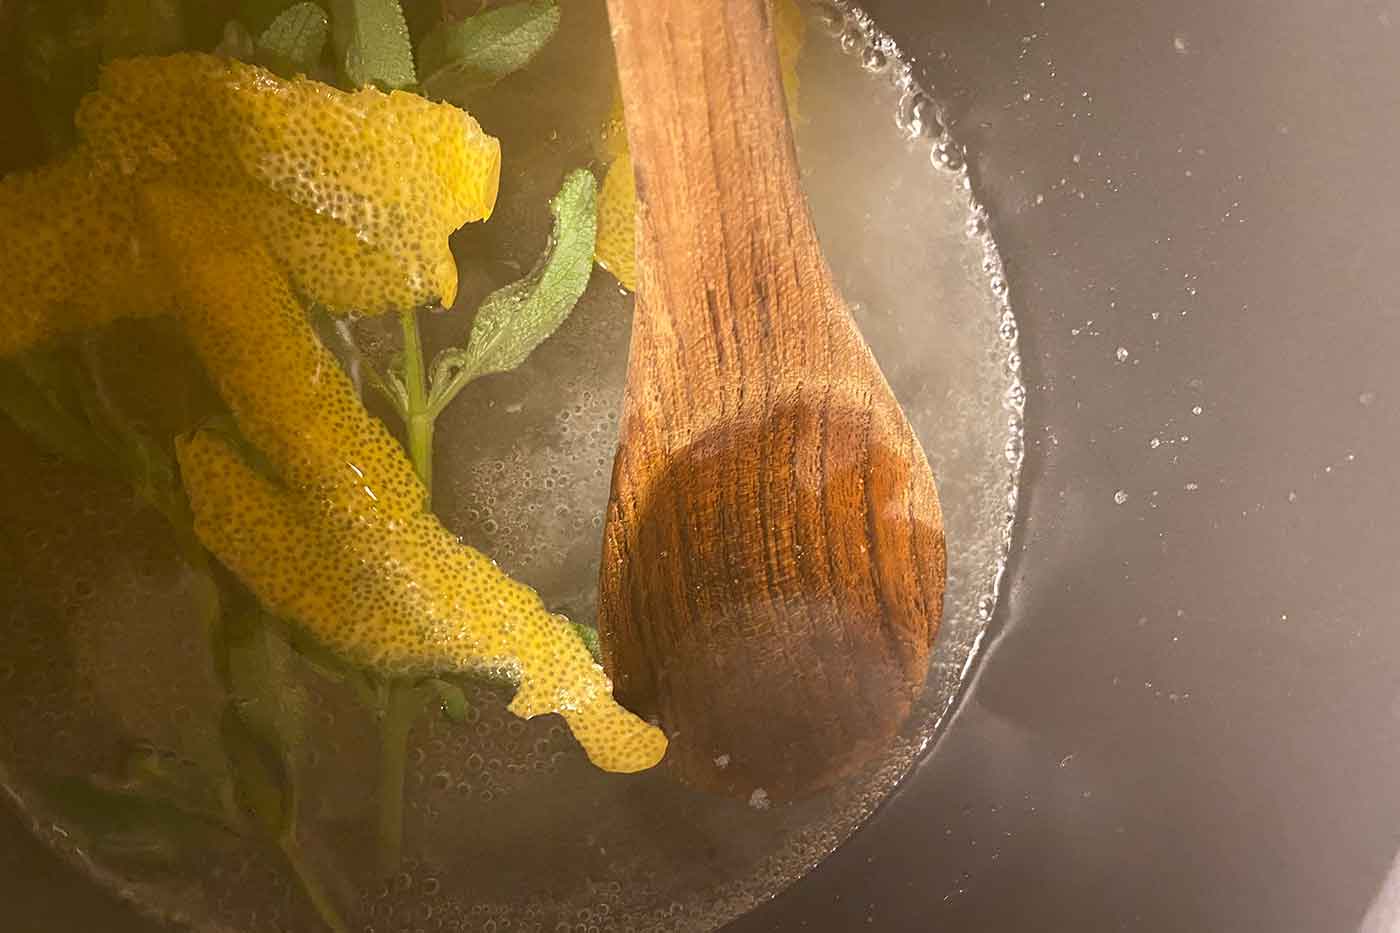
column 295, row 39
column 130, row 825
column 461, row 57
column 589, row 636
column 371, row 42
column 61, row 48
column 450, row 698
column 141, row 27
column 53, row 426
column 257, row 15
column 261, row 778
column 516, row 319
column 236, row 42
column 261, row 679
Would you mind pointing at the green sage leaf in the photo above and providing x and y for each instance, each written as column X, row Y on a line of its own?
column 461, row 57
column 589, row 636
column 371, row 42
column 516, row 319
column 295, row 39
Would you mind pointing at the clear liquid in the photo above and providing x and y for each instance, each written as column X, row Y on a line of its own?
column 507, row 826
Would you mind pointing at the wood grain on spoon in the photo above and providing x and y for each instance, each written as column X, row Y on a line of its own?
column 773, row 555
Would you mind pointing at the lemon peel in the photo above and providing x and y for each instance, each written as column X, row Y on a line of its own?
column 356, row 193
column 71, row 257
column 343, row 546
column 289, row 394
column 203, row 188
column 405, row 596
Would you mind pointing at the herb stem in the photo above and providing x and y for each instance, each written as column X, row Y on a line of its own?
column 402, row 704
column 311, row 883
column 400, row 701
column 418, row 417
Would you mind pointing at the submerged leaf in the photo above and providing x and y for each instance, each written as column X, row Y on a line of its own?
column 124, row 823
column 257, row 15
column 61, row 46
column 236, row 42
column 52, row 425
column 461, row 57
column 450, row 697
column 262, row 781
column 141, row 27
column 261, row 679
column 371, row 40
column 589, row 636
column 295, row 39
column 514, row 320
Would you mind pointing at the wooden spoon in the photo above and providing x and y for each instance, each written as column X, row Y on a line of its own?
column 773, row 558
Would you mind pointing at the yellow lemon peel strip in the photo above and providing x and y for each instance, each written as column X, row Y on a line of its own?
column 617, row 200
column 345, row 549
column 289, row 394
column 356, row 193
column 70, row 255
column 406, row 596
column 208, row 189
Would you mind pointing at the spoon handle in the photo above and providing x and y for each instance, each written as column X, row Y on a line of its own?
column 732, row 277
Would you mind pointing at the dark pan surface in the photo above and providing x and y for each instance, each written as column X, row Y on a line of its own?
column 1236, row 163
column 1244, row 150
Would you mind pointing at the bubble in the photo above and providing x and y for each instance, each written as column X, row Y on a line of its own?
column 947, row 156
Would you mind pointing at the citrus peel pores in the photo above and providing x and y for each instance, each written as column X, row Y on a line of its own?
column 198, row 207
column 405, row 596
column 617, row 200
column 354, row 194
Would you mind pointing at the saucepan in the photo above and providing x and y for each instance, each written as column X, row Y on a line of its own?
column 1125, row 267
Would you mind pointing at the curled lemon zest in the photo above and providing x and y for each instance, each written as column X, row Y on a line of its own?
column 217, row 192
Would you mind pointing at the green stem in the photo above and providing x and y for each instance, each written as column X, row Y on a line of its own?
column 400, row 701
column 402, row 704
column 315, row 890
column 419, row 417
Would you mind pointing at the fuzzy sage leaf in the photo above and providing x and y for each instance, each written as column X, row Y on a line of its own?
column 458, row 58
column 516, row 319
column 295, row 39
column 371, row 43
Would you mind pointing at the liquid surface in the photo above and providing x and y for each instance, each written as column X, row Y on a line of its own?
column 507, row 826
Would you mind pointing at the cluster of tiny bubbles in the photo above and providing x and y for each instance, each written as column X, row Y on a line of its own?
column 922, row 120
column 487, row 758
column 529, row 454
